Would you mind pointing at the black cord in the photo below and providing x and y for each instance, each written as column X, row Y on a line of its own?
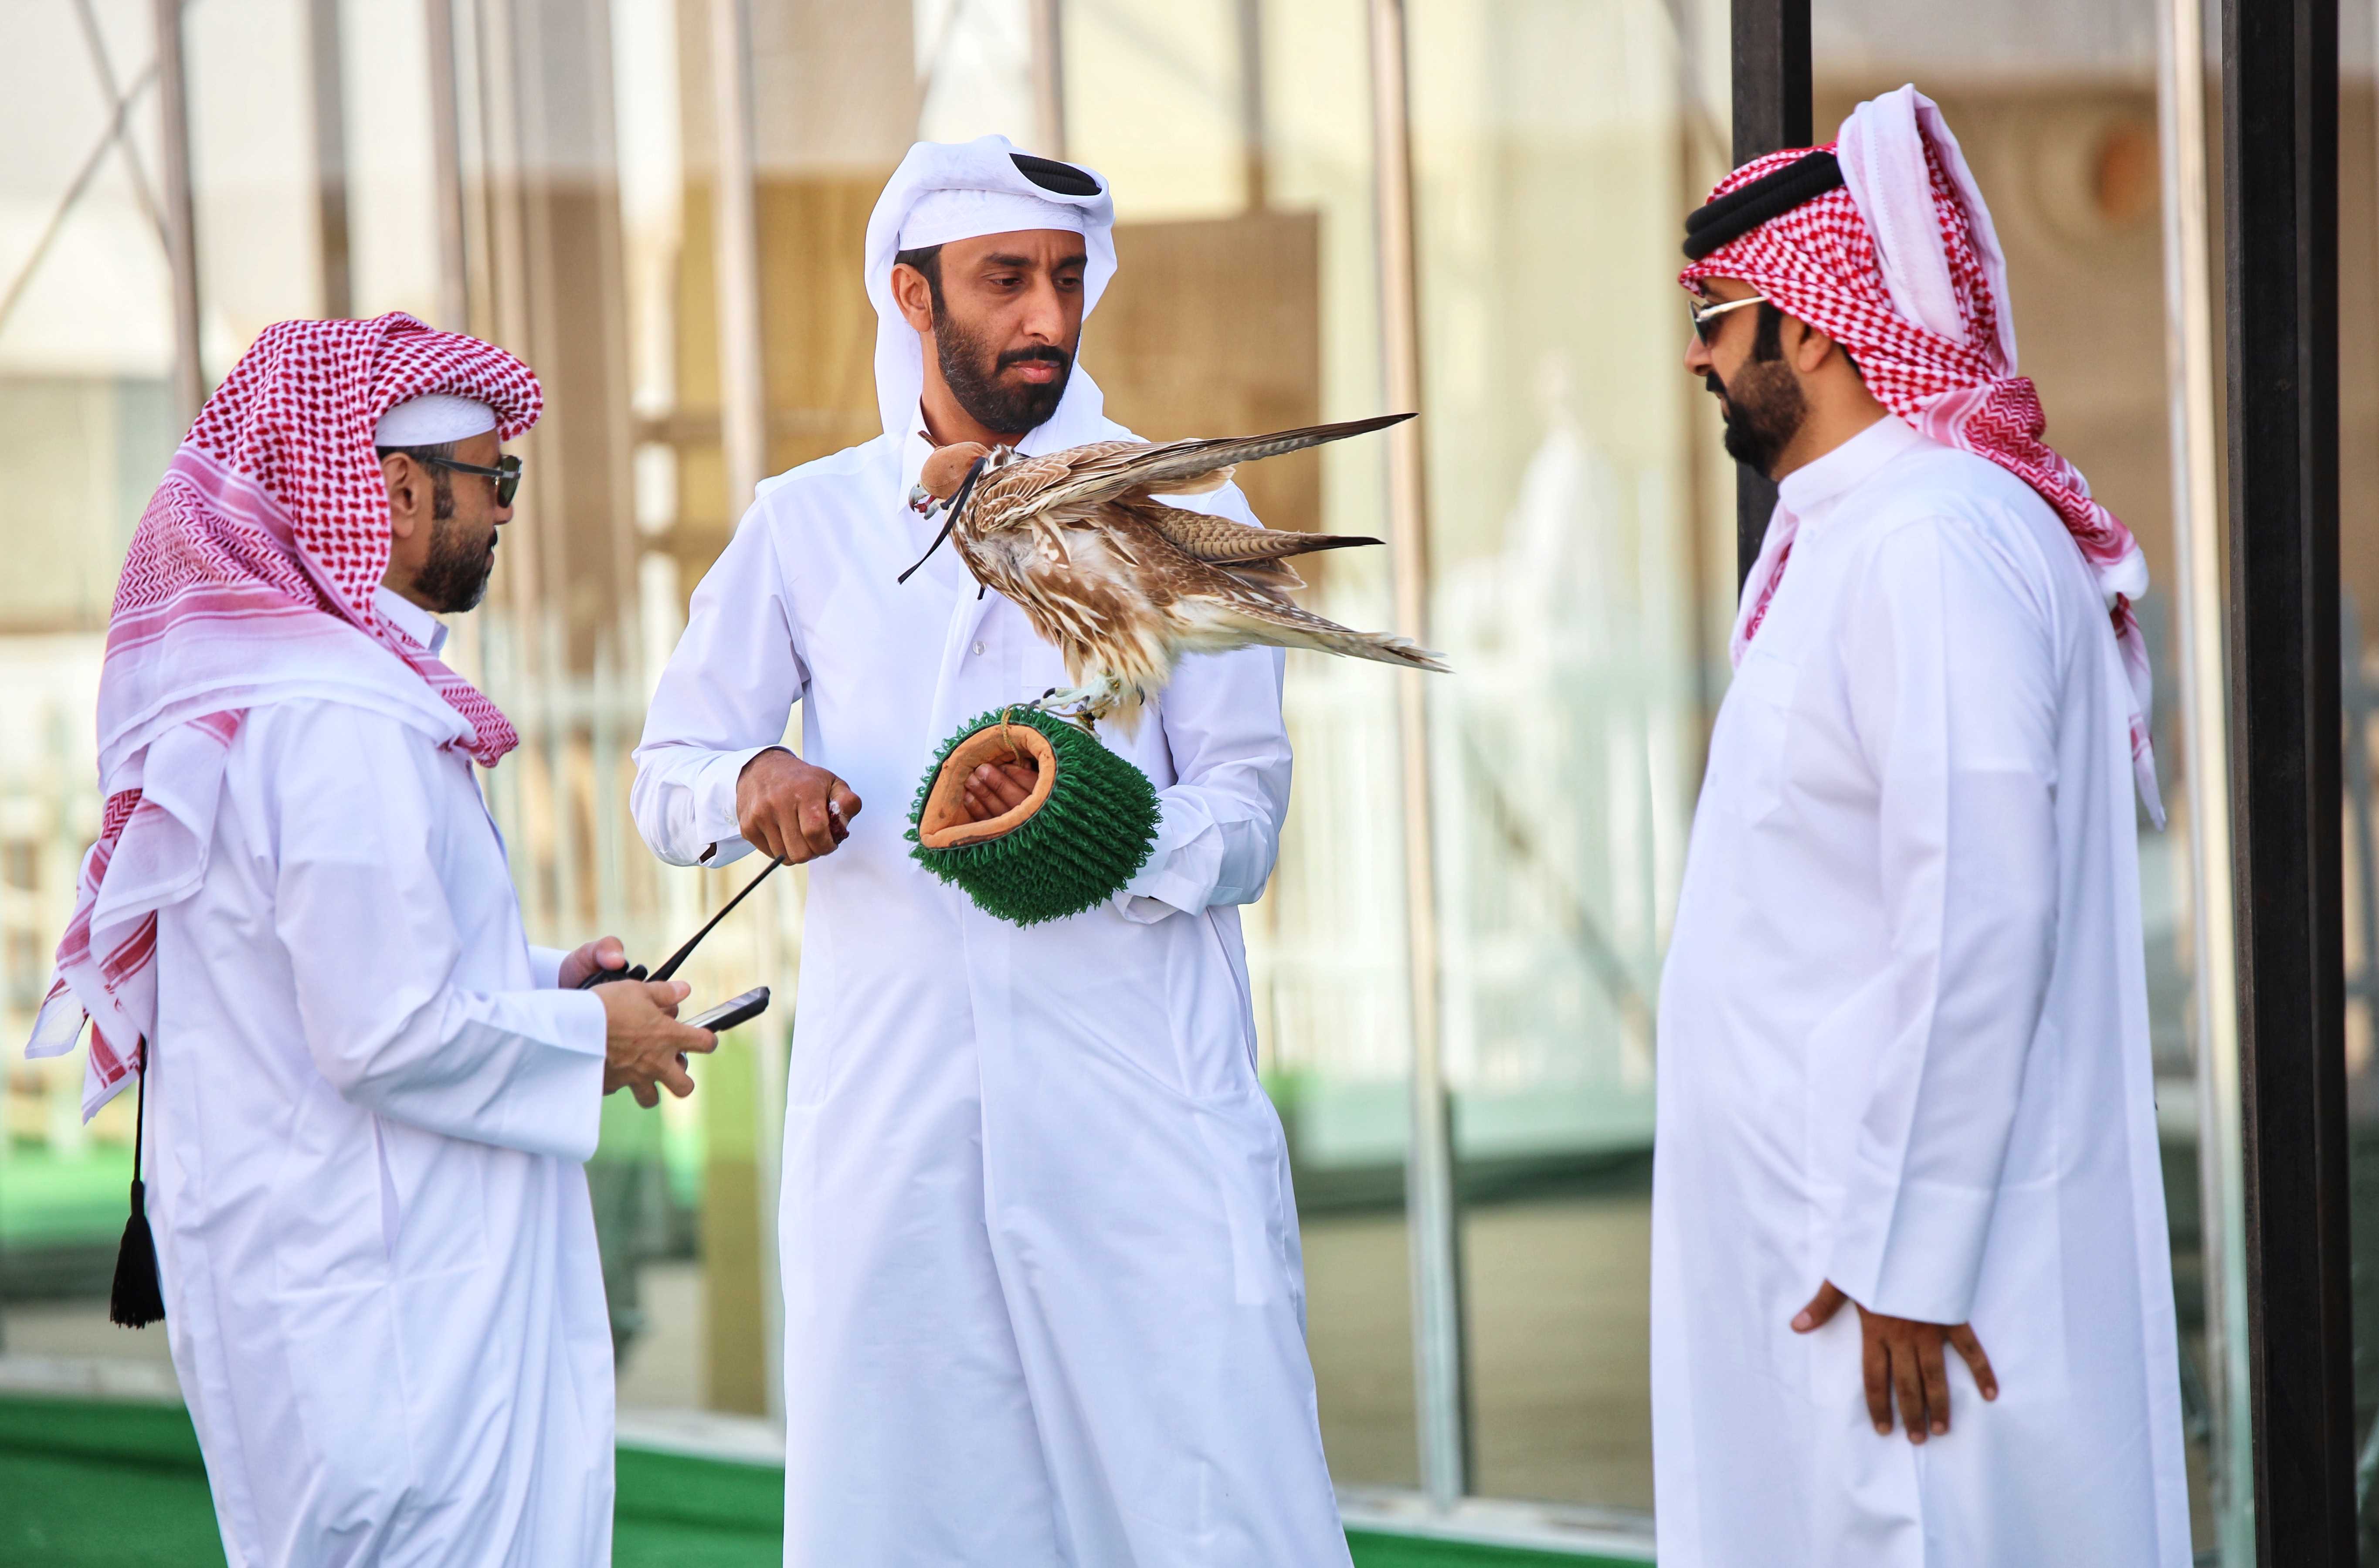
column 949, row 519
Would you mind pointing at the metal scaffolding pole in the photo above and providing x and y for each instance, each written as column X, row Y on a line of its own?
column 742, row 390
column 2280, row 151
column 2205, row 736
column 1440, row 1393
column 181, row 213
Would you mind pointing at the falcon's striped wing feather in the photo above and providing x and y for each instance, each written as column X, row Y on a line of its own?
column 1102, row 471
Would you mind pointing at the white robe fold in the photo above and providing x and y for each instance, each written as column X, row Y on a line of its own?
column 1904, row 1048
column 366, row 1124
column 1044, row 1301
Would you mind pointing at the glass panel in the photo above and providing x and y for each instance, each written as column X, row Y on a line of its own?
column 1577, row 541
column 1581, row 532
column 87, row 423
column 1236, row 137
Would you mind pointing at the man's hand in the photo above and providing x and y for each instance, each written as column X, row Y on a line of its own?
column 998, row 787
column 1901, row 1354
column 790, row 809
column 591, row 957
column 644, row 1046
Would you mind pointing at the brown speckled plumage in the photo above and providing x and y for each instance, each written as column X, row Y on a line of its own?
column 1124, row 585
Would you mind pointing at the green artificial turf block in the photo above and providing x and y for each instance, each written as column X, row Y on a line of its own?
column 87, row 1484
column 1090, row 836
column 96, row 1484
column 671, row 1489
column 154, row 1437
column 1373, row 1549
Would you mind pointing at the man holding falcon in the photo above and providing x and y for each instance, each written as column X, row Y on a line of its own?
column 1044, row 1300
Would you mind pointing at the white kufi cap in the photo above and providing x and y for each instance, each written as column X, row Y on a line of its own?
column 432, row 420
column 941, row 216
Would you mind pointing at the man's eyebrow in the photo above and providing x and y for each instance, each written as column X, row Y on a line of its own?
column 999, row 259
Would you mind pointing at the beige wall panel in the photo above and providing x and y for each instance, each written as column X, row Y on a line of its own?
column 1212, row 327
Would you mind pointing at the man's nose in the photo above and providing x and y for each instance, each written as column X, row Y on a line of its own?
column 1698, row 355
column 1044, row 314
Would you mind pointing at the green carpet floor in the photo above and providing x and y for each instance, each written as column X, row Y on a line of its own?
column 88, row 1485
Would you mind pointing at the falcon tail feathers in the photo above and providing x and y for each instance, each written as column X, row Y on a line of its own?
column 1285, row 625
column 1220, row 541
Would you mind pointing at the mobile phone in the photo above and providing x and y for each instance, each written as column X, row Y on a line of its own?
column 735, row 1011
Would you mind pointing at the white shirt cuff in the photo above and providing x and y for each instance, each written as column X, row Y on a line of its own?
column 545, row 966
column 1168, row 882
column 714, row 822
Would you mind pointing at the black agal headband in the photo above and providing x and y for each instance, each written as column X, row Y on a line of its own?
column 1050, row 175
column 1743, row 209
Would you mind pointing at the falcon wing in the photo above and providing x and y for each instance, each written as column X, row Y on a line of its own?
column 1009, row 497
column 1102, row 471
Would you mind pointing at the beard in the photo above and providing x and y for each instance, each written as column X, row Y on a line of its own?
column 1764, row 409
column 455, row 576
column 971, row 371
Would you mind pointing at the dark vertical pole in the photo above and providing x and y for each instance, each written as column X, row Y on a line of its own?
column 2279, row 154
column 1771, row 112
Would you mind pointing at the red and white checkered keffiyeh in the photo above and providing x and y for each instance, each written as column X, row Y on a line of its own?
column 250, row 581
column 1900, row 266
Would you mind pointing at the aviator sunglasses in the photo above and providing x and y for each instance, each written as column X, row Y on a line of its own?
column 1705, row 314
column 506, row 474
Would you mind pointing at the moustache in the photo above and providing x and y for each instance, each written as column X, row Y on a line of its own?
column 1049, row 352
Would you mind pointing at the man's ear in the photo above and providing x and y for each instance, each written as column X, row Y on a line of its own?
column 915, row 295
column 1809, row 353
column 407, row 485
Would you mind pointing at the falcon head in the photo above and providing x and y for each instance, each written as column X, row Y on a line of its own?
column 947, row 469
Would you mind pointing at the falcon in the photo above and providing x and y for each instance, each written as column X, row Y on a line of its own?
column 1123, row 585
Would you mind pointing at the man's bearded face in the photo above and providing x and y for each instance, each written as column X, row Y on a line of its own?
column 462, row 554
column 1763, row 407
column 973, row 371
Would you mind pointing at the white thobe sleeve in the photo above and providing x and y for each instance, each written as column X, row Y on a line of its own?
column 1953, row 688
column 1219, row 831
column 374, row 943
column 545, row 963
column 725, row 698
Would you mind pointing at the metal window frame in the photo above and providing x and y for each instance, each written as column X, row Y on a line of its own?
column 2279, row 157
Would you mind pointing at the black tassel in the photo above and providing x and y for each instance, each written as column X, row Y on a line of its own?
column 136, row 1300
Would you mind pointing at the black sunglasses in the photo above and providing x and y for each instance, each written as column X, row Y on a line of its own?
column 1706, row 314
column 506, row 474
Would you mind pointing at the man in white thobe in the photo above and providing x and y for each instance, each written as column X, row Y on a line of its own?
column 1903, row 1026
column 371, row 1097
column 1043, row 1295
